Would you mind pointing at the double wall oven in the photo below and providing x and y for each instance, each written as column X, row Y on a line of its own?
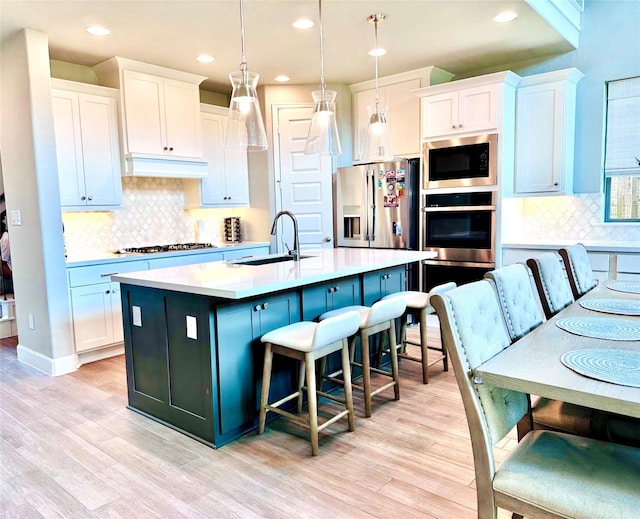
column 459, row 209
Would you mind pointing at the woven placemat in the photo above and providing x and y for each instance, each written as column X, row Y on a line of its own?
column 601, row 328
column 620, row 367
column 613, row 306
column 633, row 287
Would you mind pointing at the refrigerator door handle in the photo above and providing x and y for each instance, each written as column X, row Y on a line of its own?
column 373, row 204
column 366, row 203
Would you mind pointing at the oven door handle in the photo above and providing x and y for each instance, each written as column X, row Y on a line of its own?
column 459, row 208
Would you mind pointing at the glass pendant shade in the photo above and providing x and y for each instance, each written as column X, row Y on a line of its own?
column 376, row 146
column 245, row 128
column 323, row 133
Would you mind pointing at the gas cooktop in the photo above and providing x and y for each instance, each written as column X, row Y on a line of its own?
column 150, row 249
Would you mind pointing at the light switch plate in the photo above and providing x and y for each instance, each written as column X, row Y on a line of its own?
column 136, row 315
column 192, row 327
column 16, row 217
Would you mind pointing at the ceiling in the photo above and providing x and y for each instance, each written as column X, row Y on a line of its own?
column 459, row 36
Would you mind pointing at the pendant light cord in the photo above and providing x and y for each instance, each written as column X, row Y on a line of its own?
column 243, row 65
column 375, row 25
column 322, row 84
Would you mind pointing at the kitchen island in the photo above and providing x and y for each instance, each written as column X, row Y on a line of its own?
column 192, row 333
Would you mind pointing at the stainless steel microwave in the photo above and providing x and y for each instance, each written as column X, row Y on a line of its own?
column 461, row 162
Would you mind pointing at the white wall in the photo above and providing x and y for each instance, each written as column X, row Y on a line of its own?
column 31, row 186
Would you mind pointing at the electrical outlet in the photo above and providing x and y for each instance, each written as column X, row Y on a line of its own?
column 16, row 217
column 136, row 316
column 192, row 327
column 32, row 325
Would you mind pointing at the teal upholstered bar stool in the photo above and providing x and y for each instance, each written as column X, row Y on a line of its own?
column 306, row 342
column 419, row 307
column 378, row 318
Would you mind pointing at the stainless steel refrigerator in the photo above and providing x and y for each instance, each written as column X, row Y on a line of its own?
column 376, row 205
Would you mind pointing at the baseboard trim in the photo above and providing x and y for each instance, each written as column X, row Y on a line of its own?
column 101, row 353
column 49, row 366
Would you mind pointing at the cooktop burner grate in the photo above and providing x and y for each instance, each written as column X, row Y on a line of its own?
column 149, row 249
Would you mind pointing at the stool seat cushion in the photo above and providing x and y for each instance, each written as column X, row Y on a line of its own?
column 414, row 300
column 380, row 312
column 306, row 336
column 363, row 312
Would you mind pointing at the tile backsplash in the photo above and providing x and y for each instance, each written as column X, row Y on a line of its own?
column 562, row 218
column 152, row 213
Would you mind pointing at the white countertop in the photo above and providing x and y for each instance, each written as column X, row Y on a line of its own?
column 234, row 281
column 99, row 257
column 591, row 245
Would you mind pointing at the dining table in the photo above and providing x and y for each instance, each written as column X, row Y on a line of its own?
column 534, row 364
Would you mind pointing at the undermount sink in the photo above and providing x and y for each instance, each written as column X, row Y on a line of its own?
column 265, row 260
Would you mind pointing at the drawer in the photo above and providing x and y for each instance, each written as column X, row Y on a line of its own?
column 629, row 263
column 181, row 260
column 599, row 261
column 81, row 276
column 242, row 253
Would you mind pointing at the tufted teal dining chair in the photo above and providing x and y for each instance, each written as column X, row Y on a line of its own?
column 551, row 283
column 522, row 314
column 578, row 267
column 547, row 474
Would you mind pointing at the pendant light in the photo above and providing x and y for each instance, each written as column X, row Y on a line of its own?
column 376, row 146
column 323, row 135
column 245, row 128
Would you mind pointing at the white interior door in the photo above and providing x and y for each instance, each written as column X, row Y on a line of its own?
column 303, row 182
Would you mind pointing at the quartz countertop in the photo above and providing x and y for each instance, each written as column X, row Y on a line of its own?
column 233, row 281
column 98, row 257
column 621, row 247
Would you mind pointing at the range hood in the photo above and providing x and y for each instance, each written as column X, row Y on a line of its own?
column 143, row 165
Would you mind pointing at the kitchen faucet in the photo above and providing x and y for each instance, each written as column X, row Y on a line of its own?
column 295, row 252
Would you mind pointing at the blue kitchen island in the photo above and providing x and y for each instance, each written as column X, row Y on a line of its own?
column 192, row 333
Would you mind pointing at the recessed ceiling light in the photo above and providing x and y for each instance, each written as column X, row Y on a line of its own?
column 282, row 79
column 378, row 52
column 205, row 58
column 96, row 30
column 506, row 16
column 303, row 23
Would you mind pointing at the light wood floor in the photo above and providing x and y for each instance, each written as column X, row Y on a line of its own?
column 70, row 449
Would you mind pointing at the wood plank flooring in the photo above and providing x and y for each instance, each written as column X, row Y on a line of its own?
column 70, row 448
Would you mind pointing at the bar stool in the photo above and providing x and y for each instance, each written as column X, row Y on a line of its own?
column 418, row 306
column 306, row 342
column 379, row 318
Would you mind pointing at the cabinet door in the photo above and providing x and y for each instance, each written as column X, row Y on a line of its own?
column 539, row 139
column 403, row 117
column 478, row 109
column 144, row 113
column 182, row 116
column 100, row 152
column 116, row 312
column 236, row 173
column 439, row 114
column 91, row 307
column 213, row 188
column 376, row 285
column 66, row 119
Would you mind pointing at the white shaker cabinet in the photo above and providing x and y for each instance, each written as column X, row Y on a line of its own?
column 87, row 147
column 402, row 108
column 162, row 115
column 227, row 181
column 545, row 133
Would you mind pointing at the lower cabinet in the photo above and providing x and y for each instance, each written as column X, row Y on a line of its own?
column 240, row 355
column 321, row 298
column 376, row 285
column 168, row 358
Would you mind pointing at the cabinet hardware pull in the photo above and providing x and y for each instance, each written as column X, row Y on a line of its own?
column 90, row 198
column 171, row 148
column 335, row 289
column 165, row 148
column 108, row 291
column 107, row 275
column 256, row 308
column 555, row 184
column 83, row 198
column 265, row 306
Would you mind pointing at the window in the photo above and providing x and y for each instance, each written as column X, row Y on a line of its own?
column 622, row 151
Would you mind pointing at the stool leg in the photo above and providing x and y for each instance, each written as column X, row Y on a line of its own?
column 266, row 382
column 403, row 333
column 348, row 395
column 312, row 400
column 366, row 372
column 322, row 364
column 394, row 359
column 301, row 371
column 423, row 347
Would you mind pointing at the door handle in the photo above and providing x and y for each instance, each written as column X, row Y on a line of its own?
column 326, row 239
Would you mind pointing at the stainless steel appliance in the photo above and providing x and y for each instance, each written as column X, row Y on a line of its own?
column 463, row 162
column 461, row 229
column 376, row 205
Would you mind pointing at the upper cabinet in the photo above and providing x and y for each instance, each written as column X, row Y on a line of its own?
column 467, row 106
column 162, row 135
column 227, row 182
column 545, row 133
column 87, row 148
column 402, row 108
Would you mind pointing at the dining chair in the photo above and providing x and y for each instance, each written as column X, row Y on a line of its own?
column 547, row 474
column 551, row 283
column 578, row 267
column 522, row 314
